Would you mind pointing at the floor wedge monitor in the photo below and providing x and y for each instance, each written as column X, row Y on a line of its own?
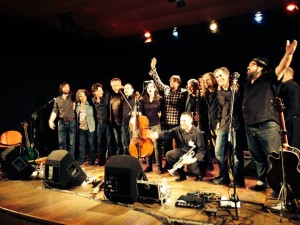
column 62, row 171
column 121, row 175
column 14, row 166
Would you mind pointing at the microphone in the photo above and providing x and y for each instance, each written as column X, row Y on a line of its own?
column 235, row 85
column 52, row 100
column 148, row 81
column 235, row 75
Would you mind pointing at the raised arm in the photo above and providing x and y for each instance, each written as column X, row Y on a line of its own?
column 153, row 63
column 286, row 59
column 153, row 73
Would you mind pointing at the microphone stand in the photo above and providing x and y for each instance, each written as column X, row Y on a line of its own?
column 125, row 99
column 231, row 148
column 34, row 116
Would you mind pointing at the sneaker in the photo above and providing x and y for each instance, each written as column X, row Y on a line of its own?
column 259, row 186
column 279, row 206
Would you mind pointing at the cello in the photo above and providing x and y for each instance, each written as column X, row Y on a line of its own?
column 285, row 166
column 140, row 145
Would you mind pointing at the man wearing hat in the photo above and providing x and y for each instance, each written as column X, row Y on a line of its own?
column 260, row 116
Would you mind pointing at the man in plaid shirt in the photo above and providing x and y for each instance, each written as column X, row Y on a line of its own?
column 174, row 100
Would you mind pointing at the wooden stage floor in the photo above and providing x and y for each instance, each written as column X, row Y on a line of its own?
column 29, row 202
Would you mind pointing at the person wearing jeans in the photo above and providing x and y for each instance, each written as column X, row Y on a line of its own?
column 64, row 109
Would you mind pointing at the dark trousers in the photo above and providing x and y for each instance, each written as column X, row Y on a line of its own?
column 196, row 168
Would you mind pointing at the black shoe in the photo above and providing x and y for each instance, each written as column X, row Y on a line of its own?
column 148, row 169
column 210, row 168
column 237, row 184
column 199, row 178
column 274, row 195
column 221, row 180
column 89, row 164
column 180, row 178
column 160, row 170
column 259, row 187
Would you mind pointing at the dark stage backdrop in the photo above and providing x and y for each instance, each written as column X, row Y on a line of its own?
column 35, row 59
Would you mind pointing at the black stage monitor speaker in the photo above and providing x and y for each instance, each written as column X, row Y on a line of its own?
column 14, row 166
column 62, row 171
column 120, row 178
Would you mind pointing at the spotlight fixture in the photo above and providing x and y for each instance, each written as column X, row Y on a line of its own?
column 175, row 33
column 180, row 3
column 213, row 26
column 147, row 35
column 292, row 7
column 258, row 17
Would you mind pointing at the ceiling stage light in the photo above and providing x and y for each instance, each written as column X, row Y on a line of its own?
column 180, row 4
column 147, row 36
column 213, row 26
column 292, row 7
column 258, row 17
column 175, row 32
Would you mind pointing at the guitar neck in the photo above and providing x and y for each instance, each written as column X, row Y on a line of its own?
column 284, row 137
column 26, row 136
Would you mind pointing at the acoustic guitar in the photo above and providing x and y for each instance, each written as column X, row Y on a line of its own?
column 30, row 153
column 285, row 165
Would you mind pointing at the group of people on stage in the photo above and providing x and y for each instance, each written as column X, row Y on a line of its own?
column 215, row 115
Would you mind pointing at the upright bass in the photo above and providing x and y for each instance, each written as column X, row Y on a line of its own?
column 140, row 145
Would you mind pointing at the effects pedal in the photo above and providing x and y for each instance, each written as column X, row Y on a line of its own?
column 189, row 201
column 211, row 211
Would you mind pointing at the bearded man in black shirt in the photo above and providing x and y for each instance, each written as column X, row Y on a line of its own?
column 260, row 116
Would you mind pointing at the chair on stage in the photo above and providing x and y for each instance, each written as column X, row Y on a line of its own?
column 10, row 138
